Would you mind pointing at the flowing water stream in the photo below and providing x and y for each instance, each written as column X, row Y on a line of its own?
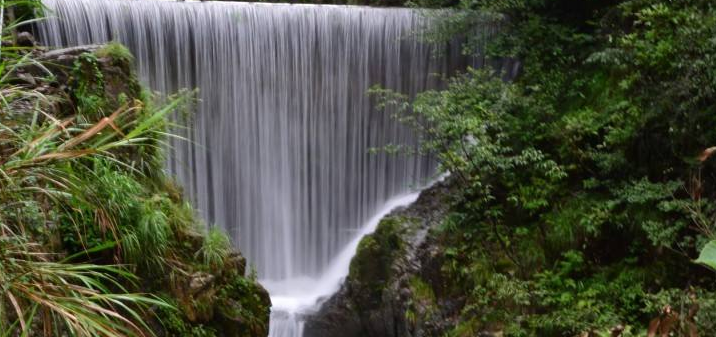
column 292, row 298
column 278, row 143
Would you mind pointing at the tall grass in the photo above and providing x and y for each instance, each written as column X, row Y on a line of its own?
column 215, row 249
column 82, row 298
column 39, row 160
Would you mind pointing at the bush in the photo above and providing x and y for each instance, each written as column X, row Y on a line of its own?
column 582, row 195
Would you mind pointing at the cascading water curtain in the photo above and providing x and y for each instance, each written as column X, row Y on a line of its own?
column 278, row 150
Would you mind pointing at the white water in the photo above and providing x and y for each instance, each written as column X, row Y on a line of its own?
column 278, row 151
column 293, row 298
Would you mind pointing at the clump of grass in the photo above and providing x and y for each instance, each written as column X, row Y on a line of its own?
column 147, row 244
column 181, row 217
column 421, row 290
column 215, row 249
column 115, row 51
column 76, row 297
column 44, row 163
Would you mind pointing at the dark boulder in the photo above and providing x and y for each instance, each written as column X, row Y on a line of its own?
column 391, row 278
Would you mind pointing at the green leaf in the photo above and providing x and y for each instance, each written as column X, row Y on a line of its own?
column 708, row 255
column 99, row 248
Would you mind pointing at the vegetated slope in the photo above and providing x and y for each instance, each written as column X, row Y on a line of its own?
column 586, row 186
column 94, row 238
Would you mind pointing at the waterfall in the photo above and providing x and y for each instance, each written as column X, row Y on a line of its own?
column 277, row 151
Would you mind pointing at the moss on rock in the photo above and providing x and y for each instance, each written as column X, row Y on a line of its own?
column 143, row 214
column 370, row 268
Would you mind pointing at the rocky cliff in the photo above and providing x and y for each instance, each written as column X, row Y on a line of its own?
column 390, row 290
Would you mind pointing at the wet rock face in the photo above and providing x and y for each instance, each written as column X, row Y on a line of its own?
column 389, row 291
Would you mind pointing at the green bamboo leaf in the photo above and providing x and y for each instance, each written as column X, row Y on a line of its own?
column 154, row 119
column 98, row 248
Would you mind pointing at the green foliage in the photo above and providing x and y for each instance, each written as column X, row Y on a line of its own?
column 117, row 52
column 581, row 196
column 421, row 290
column 44, row 177
column 497, row 299
column 176, row 325
column 78, row 297
column 88, row 83
column 147, row 243
column 376, row 251
column 215, row 249
column 241, row 299
column 608, row 297
column 708, row 255
column 474, row 129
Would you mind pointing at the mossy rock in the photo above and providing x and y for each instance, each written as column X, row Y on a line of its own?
column 244, row 308
column 98, row 79
column 370, row 269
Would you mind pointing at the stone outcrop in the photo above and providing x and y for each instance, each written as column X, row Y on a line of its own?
column 392, row 278
column 70, row 72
